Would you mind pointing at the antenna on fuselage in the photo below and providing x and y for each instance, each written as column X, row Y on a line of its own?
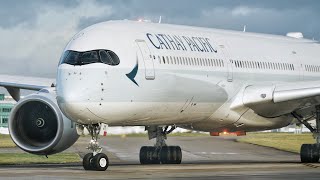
column 160, row 18
column 244, row 28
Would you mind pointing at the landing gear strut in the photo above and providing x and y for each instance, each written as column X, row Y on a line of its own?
column 160, row 152
column 310, row 153
column 96, row 160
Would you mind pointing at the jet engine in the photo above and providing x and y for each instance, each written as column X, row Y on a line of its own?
column 37, row 125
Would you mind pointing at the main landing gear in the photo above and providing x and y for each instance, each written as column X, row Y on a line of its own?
column 96, row 160
column 160, row 152
column 310, row 153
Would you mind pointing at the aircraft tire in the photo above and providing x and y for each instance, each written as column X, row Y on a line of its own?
column 100, row 162
column 86, row 162
column 147, row 155
column 309, row 153
column 171, row 155
column 143, row 155
column 178, row 155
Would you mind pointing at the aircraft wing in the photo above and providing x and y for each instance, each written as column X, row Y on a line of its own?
column 14, row 83
column 280, row 99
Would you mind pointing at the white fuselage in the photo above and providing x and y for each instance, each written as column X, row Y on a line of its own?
column 179, row 75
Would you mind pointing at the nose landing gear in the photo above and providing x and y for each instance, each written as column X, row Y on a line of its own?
column 96, row 160
column 310, row 153
column 160, row 152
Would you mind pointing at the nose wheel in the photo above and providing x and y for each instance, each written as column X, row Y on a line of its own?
column 95, row 161
column 98, row 162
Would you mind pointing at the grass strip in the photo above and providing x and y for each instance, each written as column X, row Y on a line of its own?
column 25, row 158
column 6, row 141
column 282, row 141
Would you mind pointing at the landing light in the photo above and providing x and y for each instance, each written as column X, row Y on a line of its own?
column 144, row 20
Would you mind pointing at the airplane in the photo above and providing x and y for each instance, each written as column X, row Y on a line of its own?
column 164, row 76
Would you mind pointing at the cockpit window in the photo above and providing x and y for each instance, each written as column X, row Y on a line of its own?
column 105, row 58
column 115, row 59
column 109, row 57
column 72, row 57
column 89, row 57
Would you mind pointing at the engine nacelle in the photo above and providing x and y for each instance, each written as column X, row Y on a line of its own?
column 37, row 125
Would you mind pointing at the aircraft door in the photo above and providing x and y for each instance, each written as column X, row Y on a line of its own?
column 295, row 58
column 230, row 70
column 227, row 59
column 147, row 57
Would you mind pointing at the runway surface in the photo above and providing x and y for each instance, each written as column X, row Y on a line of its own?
column 203, row 158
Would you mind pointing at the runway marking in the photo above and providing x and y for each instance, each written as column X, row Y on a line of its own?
column 311, row 165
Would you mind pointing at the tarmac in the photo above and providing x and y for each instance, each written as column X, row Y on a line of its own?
column 203, row 158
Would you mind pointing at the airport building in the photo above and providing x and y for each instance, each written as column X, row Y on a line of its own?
column 6, row 104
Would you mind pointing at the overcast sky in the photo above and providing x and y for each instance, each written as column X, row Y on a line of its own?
column 34, row 33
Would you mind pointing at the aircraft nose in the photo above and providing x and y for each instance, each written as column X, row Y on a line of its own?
column 70, row 97
column 68, row 102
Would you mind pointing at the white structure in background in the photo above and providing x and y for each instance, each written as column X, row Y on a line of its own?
column 294, row 128
column 4, row 130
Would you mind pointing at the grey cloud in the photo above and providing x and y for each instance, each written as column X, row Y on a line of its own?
column 13, row 13
column 276, row 17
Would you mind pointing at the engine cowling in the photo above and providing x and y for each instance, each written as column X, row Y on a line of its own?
column 37, row 125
